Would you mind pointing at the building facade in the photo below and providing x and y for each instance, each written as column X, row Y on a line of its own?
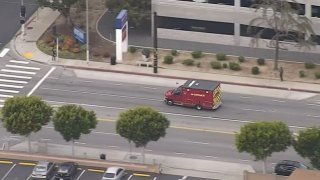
column 221, row 21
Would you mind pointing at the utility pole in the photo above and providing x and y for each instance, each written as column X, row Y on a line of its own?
column 87, row 27
column 155, row 43
column 22, row 18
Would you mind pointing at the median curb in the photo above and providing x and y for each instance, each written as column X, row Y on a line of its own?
column 17, row 155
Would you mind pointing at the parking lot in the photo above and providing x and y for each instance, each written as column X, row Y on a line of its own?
column 21, row 170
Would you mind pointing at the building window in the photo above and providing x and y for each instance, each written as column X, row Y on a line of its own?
column 224, row 2
column 195, row 25
column 268, row 33
column 245, row 3
column 315, row 11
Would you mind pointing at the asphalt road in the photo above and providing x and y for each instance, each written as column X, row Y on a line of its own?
column 10, row 17
column 21, row 170
column 187, row 137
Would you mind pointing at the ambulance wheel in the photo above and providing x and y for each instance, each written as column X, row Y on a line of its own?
column 198, row 107
column 169, row 102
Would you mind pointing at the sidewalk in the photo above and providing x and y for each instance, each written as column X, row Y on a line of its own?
column 168, row 164
column 34, row 29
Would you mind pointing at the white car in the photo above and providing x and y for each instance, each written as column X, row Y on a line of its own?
column 114, row 173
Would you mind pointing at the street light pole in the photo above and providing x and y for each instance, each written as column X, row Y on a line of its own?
column 87, row 27
column 22, row 16
column 155, row 43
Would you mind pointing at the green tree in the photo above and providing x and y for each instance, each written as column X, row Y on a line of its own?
column 285, row 20
column 25, row 115
column 63, row 6
column 261, row 139
column 138, row 11
column 142, row 125
column 71, row 121
column 307, row 145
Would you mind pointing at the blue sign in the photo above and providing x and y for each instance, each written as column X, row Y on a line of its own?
column 121, row 19
column 79, row 34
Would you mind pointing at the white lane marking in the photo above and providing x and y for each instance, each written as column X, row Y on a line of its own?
column 196, row 142
column 15, row 71
column 81, row 174
column 256, row 110
column 102, row 94
column 40, row 82
column 98, row 132
column 214, row 157
column 167, row 113
column 9, row 91
column 4, row 177
column 1, row 105
column 48, row 127
column 14, row 81
column 179, row 153
column 245, row 97
column 146, row 87
column 244, row 160
column 11, row 86
column 148, row 150
column 87, row 81
column 275, row 100
column 23, row 67
column 315, row 116
column 310, row 104
column 130, row 177
column 14, row 76
column 80, row 143
column 19, row 62
column 155, row 178
column 6, row 96
column 113, row 146
column 4, row 52
column 2, row 100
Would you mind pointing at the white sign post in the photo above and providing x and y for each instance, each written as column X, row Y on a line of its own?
column 121, row 35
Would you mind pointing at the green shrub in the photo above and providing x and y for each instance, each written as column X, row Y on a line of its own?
column 261, row 61
column 196, row 54
column 309, row 65
column 302, row 74
column 174, row 52
column 225, row 65
column 221, row 56
column 146, row 52
column 132, row 49
column 168, row 60
column 241, row 59
column 234, row 66
column 215, row 65
column 255, row 70
column 188, row 62
column 317, row 75
column 198, row 64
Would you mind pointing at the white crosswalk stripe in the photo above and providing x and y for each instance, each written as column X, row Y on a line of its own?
column 14, row 81
column 15, row 71
column 14, row 76
column 8, row 91
column 19, row 62
column 11, row 86
column 22, row 67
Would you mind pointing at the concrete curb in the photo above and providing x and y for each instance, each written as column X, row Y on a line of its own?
column 81, row 161
column 183, row 78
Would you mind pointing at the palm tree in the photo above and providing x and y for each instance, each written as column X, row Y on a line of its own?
column 286, row 21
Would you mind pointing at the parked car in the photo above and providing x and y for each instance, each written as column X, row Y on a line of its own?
column 286, row 167
column 66, row 171
column 43, row 170
column 114, row 173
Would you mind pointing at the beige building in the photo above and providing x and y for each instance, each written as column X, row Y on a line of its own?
column 220, row 21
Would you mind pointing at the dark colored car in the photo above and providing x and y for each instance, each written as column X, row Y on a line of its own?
column 66, row 171
column 286, row 167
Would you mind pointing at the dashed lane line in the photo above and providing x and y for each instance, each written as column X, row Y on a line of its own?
column 13, row 81
column 8, row 91
column 19, row 62
column 15, row 76
column 11, row 86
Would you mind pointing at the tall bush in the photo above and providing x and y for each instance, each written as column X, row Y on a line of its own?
column 309, row 65
column 234, row 66
column 221, row 56
column 188, row 62
column 215, row 65
column 261, row 61
column 196, row 54
column 168, row 60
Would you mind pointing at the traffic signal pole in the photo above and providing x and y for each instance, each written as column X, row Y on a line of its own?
column 22, row 18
